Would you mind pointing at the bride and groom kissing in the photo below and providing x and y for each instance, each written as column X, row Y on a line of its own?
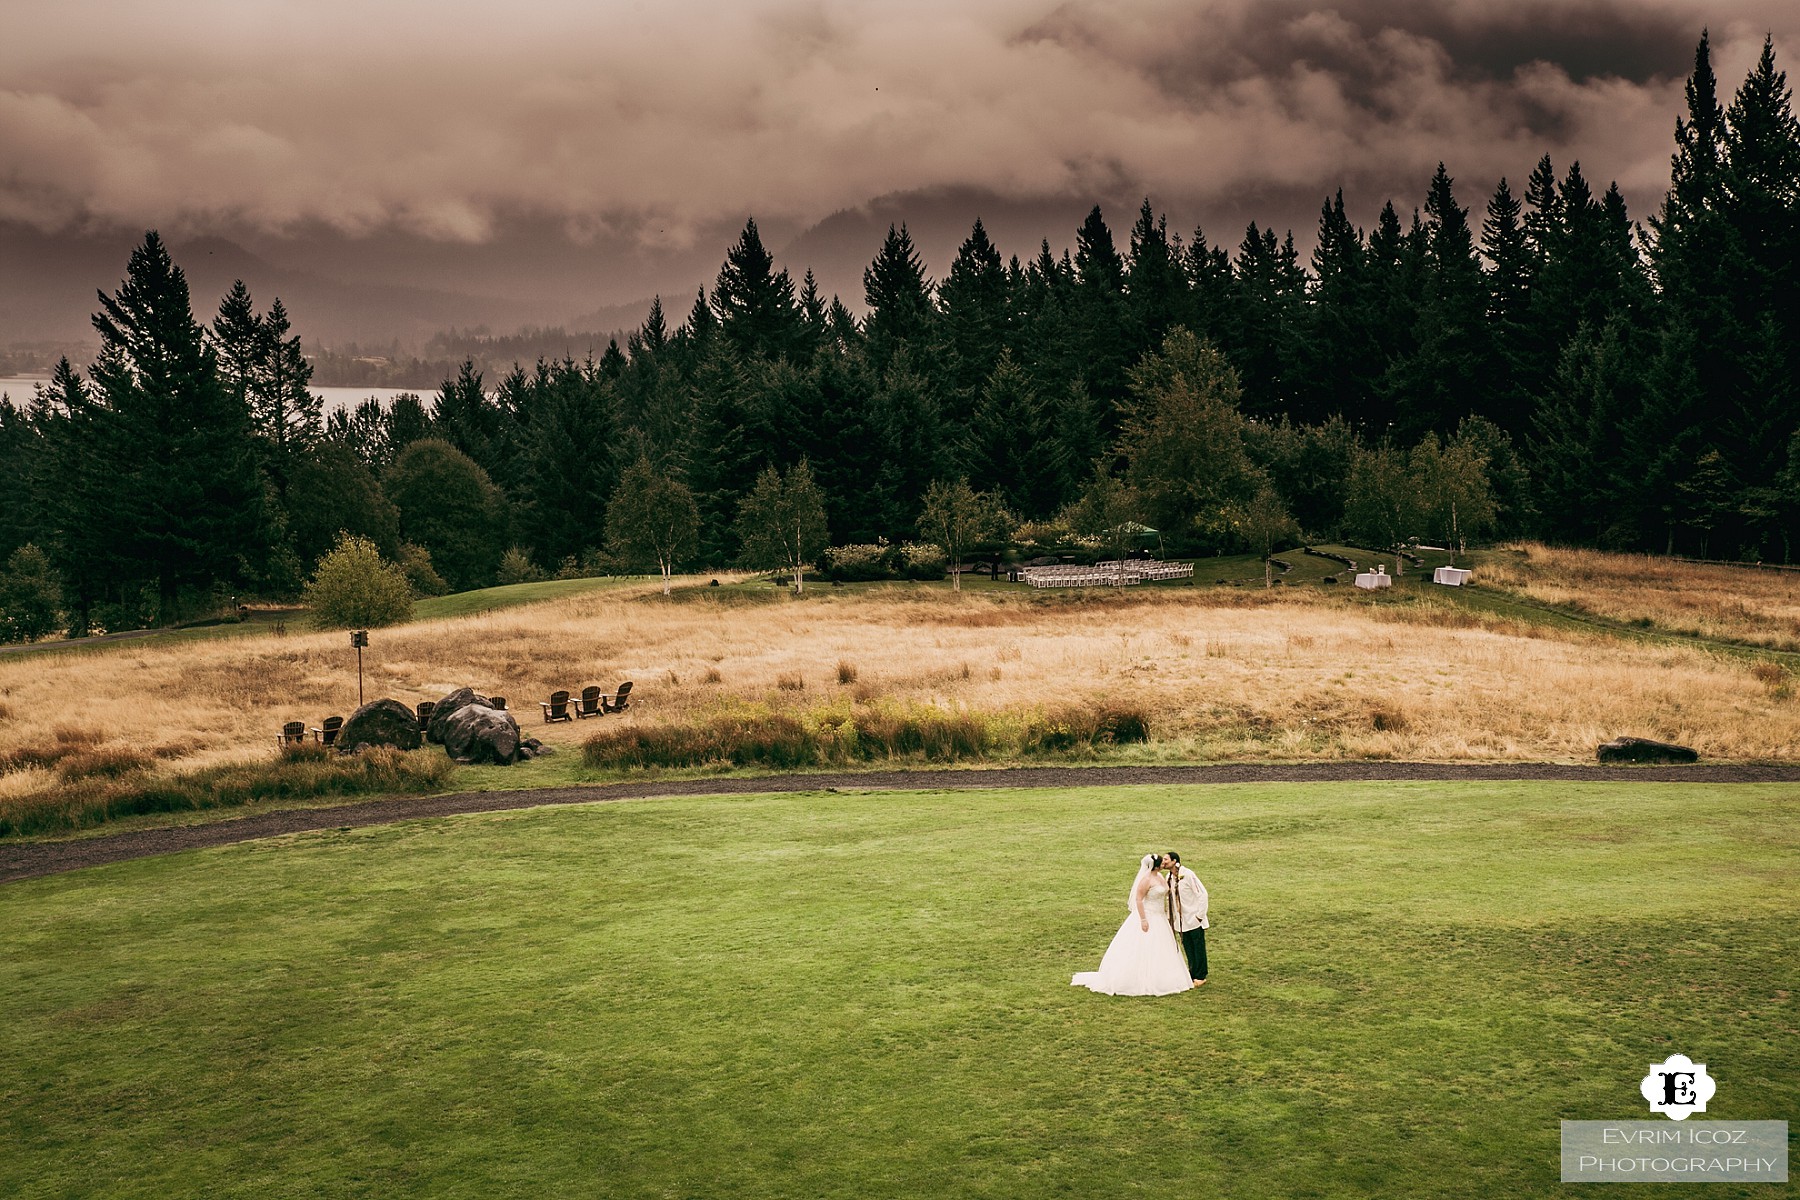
column 1161, row 947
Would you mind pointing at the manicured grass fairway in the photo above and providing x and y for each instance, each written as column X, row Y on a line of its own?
column 868, row 996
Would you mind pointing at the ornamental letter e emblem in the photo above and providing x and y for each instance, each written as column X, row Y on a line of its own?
column 1678, row 1088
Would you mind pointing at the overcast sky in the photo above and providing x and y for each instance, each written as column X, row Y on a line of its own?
column 659, row 120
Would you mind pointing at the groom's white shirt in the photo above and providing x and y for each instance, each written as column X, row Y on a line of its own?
column 1192, row 894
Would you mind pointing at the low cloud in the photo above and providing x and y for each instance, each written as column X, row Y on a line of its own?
column 657, row 122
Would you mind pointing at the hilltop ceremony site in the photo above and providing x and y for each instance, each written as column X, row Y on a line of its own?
column 713, row 754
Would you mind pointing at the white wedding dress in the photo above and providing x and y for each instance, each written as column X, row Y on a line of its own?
column 1139, row 962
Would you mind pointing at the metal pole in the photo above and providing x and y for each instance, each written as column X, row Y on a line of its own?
column 359, row 638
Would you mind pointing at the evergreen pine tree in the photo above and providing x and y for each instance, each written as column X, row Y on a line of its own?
column 1210, row 288
column 815, row 317
column 285, row 412
column 1268, row 299
column 1007, row 440
column 20, row 443
column 1450, row 371
column 721, row 470
column 71, row 480
column 1511, row 264
column 973, row 325
column 186, row 501
column 899, row 299
column 1099, row 329
column 1335, row 351
column 569, row 464
column 237, row 337
column 1156, row 287
column 465, row 416
column 755, row 303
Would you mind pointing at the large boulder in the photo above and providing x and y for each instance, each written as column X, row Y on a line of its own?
column 477, row 733
column 1643, row 750
column 447, row 708
column 381, row 723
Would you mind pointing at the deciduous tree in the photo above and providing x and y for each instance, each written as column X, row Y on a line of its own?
column 781, row 522
column 652, row 520
column 957, row 518
column 353, row 587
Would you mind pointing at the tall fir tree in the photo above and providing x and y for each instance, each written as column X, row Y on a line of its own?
column 1006, row 442
column 898, row 294
column 1101, row 329
column 1268, row 304
column 464, row 415
column 755, row 303
column 569, row 465
column 974, row 323
column 1450, row 371
column 284, row 410
column 1334, row 348
column 185, row 506
column 1510, row 273
column 1209, row 288
column 1157, row 296
column 237, row 338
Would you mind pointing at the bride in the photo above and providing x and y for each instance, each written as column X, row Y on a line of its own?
column 1144, row 958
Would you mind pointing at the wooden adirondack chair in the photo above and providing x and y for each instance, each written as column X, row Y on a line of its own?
column 589, row 704
column 326, row 734
column 619, row 701
column 292, row 734
column 556, row 708
column 498, row 702
column 425, row 710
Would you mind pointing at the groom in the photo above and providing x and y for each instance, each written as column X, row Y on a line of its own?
column 1187, row 913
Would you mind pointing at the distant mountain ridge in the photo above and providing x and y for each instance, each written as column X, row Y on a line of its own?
column 389, row 288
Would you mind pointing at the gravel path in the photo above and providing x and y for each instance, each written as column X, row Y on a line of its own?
column 24, row 860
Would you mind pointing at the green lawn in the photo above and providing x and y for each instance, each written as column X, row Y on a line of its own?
column 465, row 604
column 867, row 995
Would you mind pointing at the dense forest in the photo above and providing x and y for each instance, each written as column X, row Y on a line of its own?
column 1552, row 369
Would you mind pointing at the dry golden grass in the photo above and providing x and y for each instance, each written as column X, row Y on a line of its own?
column 1738, row 604
column 1221, row 674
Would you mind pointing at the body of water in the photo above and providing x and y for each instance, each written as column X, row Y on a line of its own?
column 20, row 389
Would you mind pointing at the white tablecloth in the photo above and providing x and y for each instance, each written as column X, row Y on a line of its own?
column 1454, row 576
column 1373, row 579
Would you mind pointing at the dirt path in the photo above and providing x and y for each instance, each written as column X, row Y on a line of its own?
column 24, row 860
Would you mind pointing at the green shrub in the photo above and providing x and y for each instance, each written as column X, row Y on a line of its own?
column 516, row 567
column 921, row 560
column 421, row 576
column 860, row 733
column 1086, row 729
column 353, row 588
column 858, row 563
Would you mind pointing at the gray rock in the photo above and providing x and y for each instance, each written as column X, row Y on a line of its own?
column 476, row 733
column 446, row 708
column 1643, row 750
column 381, row 723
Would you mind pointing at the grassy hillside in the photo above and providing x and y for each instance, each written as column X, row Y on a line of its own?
column 465, row 604
column 868, row 996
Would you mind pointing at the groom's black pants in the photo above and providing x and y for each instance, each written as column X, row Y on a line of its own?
column 1194, row 942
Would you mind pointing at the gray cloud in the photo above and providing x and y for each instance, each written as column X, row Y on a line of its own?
column 653, row 123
